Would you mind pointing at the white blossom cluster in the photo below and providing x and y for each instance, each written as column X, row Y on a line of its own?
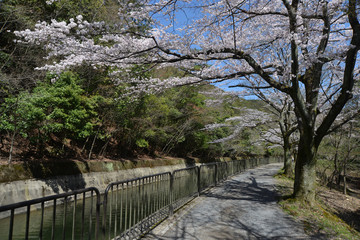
column 250, row 118
column 49, row 2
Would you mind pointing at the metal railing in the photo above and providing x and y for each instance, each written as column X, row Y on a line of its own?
column 73, row 215
column 129, row 209
column 208, row 173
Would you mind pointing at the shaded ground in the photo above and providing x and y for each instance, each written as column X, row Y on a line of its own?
column 244, row 207
column 333, row 214
column 345, row 207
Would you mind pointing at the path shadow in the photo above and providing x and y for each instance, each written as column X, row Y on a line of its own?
column 241, row 190
column 224, row 213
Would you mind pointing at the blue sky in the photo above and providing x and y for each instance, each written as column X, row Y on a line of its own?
column 183, row 17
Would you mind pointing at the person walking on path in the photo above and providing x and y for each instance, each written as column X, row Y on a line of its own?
column 243, row 207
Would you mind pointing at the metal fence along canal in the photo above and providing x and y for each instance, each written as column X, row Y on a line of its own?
column 127, row 210
column 74, row 215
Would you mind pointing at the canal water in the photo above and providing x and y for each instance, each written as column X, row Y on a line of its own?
column 62, row 225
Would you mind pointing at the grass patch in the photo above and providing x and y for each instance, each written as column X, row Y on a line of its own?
column 319, row 220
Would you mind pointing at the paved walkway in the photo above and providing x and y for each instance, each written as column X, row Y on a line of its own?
column 243, row 207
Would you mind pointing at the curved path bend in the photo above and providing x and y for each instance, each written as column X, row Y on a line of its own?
column 243, row 207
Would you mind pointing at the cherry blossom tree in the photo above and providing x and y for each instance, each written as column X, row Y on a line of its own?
column 307, row 50
column 250, row 118
column 279, row 123
column 283, row 109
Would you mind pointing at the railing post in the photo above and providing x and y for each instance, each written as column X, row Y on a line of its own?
column 105, row 202
column 215, row 174
column 171, row 191
column 97, row 228
column 198, row 180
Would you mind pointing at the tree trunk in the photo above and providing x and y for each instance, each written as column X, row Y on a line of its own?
column 103, row 149
column 93, row 143
column 12, row 146
column 83, row 148
column 305, row 170
column 14, row 134
column 288, row 166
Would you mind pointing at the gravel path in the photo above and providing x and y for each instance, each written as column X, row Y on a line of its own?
column 243, row 207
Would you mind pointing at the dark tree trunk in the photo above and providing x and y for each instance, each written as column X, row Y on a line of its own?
column 288, row 164
column 305, row 169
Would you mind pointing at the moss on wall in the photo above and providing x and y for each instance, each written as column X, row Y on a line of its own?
column 46, row 169
column 13, row 172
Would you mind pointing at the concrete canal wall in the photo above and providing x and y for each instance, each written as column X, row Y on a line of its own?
column 39, row 185
column 31, row 180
